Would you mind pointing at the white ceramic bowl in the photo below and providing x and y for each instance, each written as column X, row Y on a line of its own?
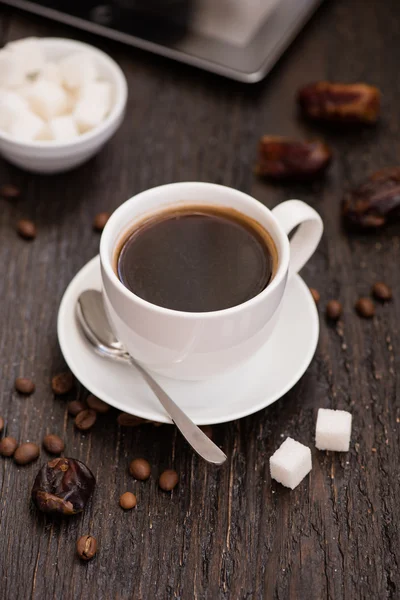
column 54, row 157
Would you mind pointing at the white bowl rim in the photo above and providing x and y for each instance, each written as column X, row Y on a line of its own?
column 121, row 96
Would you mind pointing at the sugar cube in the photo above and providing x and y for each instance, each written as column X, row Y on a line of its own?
column 63, row 128
column 333, row 430
column 45, row 134
column 77, row 70
column 30, row 54
column 51, row 72
column 12, row 106
column 26, row 126
column 93, row 105
column 12, row 72
column 290, row 463
column 47, row 99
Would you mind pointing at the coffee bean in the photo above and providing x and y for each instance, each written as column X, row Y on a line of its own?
column 24, row 385
column 62, row 383
column 168, row 480
column 1, row 424
column 9, row 191
column 207, row 429
column 8, row 446
column 315, row 294
column 96, row 404
column 139, row 468
column 127, row 420
column 53, row 444
column 26, row 229
column 365, row 308
column 100, row 221
column 86, row 547
column 381, row 291
column 128, row 500
column 333, row 310
column 75, row 407
column 26, row 453
column 85, row 419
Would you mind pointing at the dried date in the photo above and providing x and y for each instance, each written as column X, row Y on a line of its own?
column 375, row 202
column 63, row 486
column 340, row 102
column 283, row 158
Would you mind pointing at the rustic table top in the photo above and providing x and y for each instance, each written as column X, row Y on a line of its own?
column 224, row 533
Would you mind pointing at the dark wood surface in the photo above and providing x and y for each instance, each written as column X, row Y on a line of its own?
column 224, row 533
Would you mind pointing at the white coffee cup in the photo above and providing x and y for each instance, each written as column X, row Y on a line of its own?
column 187, row 345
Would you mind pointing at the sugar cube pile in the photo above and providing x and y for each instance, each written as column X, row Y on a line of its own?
column 50, row 101
column 290, row 463
column 333, row 430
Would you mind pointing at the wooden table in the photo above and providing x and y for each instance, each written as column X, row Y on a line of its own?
column 227, row 533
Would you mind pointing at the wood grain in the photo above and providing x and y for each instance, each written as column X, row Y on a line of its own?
column 224, row 533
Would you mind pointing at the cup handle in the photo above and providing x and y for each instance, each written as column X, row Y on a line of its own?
column 295, row 213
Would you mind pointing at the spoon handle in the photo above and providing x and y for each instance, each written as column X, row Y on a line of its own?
column 193, row 434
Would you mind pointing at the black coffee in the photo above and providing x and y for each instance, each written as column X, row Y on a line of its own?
column 197, row 259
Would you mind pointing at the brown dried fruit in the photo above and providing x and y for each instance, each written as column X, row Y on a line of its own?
column 8, row 446
column 168, row 480
column 96, row 404
column 128, row 501
column 53, row 443
column 85, row 419
column 381, row 291
column 63, row 486
column 333, row 310
column 340, row 102
column 26, row 453
column 140, row 469
column 127, row 420
column 24, row 385
column 26, row 229
column 365, row 308
column 285, row 158
column 9, row 191
column 86, row 547
column 62, row 383
column 315, row 294
column 100, row 221
column 75, row 407
column 1, row 424
column 374, row 202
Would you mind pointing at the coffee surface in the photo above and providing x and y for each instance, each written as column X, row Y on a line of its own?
column 196, row 260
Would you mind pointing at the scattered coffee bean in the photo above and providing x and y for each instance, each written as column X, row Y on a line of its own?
column 168, row 480
column 62, row 383
column 8, row 446
column 85, row 419
column 24, row 385
column 381, row 291
column 127, row 420
column 365, row 308
column 63, row 486
column 75, row 407
column 26, row 229
column 100, row 221
column 333, row 310
column 86, row 547
column 140, row 468
column 26, row 453
column 315, row 294
column 128, row 500
column 53, row 444
column 207, row 429
column 9, row 191
column 1, row 424
column 96, row 404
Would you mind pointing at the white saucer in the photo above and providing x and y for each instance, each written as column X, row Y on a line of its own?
column 267, row 376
